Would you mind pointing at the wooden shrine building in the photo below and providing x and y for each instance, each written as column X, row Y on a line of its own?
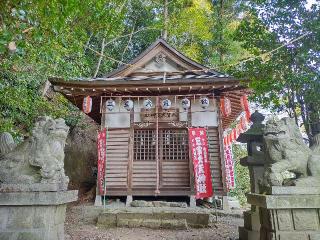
column 147, row 143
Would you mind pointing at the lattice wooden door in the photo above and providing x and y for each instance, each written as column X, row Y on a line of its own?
column 144, row 170
column 173, row 170
column 174, row 159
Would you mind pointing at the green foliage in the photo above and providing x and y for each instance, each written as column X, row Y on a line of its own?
column 224, row 50
column 241, row 173
column 62, row 38
column 51, row 39
column 285, row 77
column 190, row 29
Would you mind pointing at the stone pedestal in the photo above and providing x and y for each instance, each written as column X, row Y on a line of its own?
column 290, row 214
column 129, row 200
column 193, row 202
column 34, row 215
column 251, row 228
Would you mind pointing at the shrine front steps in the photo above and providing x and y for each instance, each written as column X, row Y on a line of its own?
column 153, row 218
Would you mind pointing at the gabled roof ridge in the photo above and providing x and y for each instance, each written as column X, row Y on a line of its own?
column 124, row 66
column 170, row 48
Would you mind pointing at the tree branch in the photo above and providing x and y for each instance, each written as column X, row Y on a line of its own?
column 140, row 30
column 100, row 58
column 127, row 46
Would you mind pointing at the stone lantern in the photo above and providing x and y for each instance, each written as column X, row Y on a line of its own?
column 256, row 157
column 255, row 162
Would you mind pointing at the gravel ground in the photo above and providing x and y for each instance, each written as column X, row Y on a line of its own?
column 225, row 229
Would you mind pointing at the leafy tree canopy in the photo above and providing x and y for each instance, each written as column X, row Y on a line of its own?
column 284, row 37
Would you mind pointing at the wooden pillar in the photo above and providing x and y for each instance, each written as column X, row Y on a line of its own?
column 157, row 191
column 190, row 157
column 160, row 144
column 220, row 134
column 130, row 155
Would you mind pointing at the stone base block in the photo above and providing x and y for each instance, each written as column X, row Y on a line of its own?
column 35, row 187
column 294, row 190
column 34, row 215
column 129, row 201
column 180, row 224
column 153, row 217
column 225, row 203
column 294, row 217
column 245, row 234
column 193, row 203
column 98, row 201
column 251, row 220
column 251, row 229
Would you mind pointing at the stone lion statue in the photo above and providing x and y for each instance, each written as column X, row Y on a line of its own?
column 39, row 159
column 289, row 160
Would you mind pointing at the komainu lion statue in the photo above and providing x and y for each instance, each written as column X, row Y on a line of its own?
column 39, row 159
column 289, row 160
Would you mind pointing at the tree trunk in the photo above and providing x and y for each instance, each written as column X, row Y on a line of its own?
column 221, row 12
column 165, row 20
column 305, row 117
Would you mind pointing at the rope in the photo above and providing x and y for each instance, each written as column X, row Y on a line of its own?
column 263, row 55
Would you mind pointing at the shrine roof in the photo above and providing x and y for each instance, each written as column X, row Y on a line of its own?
column 159, row 70
column 163, row 54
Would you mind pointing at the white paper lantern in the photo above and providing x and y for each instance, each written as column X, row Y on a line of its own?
column 185, row 103
column 147, row 104
column 128, row 104
column 166, row 104
column 110, row 104
column 204, row 102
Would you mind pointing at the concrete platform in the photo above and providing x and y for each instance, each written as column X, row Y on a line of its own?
column 154, row 217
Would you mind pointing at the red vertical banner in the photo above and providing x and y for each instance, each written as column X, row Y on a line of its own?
column 229, row 167
column 102, row 144
column 198, row 144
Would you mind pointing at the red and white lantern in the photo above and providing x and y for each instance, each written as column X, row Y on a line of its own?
column 245, row 106
column 87, row 104
column 243, row 123
column 225, row 106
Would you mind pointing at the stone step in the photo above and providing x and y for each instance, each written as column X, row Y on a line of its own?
column 153, row 223
column 155, row 218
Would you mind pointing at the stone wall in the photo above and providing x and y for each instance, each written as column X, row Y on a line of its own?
column 81, row 156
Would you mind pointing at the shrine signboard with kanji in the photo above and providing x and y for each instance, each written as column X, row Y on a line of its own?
column 163, row 115
column 201, row 164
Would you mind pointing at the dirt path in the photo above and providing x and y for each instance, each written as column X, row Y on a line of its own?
column 225, row 229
